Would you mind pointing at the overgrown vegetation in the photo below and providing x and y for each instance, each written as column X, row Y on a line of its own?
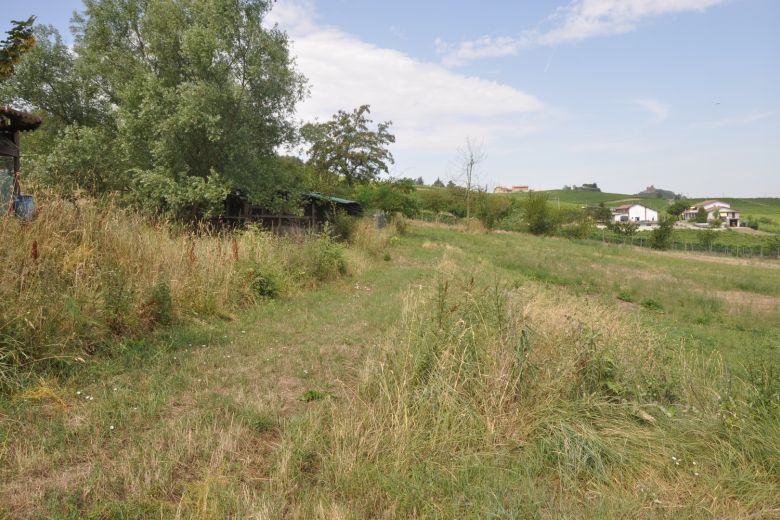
column 82, row 277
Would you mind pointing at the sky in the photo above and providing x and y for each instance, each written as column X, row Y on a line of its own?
column 680, row 94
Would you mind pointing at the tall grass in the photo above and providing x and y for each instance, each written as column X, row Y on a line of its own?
column 81, row 275
column 514, row 402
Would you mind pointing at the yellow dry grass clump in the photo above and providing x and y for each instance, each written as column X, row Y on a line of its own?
column 81, row 275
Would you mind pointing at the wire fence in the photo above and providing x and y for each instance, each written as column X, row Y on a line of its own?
column 752, row 251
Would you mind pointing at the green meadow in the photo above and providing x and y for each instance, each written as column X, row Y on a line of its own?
column 441, row 374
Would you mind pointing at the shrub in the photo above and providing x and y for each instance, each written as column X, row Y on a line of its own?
column 707, row 238
column 661, row 236
column 342, row 226
column 400, row 223
column 539, row 216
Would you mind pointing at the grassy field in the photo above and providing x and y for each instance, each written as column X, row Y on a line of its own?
column 449, row 375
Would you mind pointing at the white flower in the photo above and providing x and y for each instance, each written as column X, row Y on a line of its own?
column 78, row 393
column 111, row 427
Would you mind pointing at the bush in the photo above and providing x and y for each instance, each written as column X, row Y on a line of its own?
column 626, row 229
column 661, row 236
column 400, row 223
column 342, row 226
column 707, row 238
column 539, row 216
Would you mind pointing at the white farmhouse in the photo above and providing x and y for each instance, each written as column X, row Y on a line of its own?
column 634, row 213
column 715, row 210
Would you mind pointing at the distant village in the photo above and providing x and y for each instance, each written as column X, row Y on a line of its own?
column 705, row 214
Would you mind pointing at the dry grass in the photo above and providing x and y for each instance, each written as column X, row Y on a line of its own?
column 490, row 400
column 81, row 276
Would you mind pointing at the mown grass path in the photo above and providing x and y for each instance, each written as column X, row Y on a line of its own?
column 189, row 423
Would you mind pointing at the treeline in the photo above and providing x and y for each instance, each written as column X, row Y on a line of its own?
column 169, row 107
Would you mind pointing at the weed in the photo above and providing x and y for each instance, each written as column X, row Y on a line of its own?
column 652, row 305
column 313, row 395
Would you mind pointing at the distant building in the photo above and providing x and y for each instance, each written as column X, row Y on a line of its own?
column 715, row 210
column 587, row 187
column 502, row 189
column 636, row 213
column 520, row 189
column 652, row 191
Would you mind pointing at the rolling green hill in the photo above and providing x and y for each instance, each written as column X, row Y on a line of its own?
column 768, row 208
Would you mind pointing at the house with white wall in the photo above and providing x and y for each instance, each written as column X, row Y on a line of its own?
column 715, row 210
column 636, row 213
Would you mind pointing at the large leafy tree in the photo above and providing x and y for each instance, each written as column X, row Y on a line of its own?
column 348, row 148
column 193, row 97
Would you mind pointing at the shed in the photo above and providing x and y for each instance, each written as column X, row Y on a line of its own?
column 12, row 124
column 316, row 209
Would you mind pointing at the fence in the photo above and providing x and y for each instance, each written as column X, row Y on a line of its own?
column 754, row 251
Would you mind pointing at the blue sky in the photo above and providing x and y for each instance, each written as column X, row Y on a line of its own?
column 682, row 94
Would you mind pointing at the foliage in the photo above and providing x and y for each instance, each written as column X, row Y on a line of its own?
column 581, row 229
column 343, row 226
column 118, row 275
column 51, row 79
column 491, row 209
column 600, row 213
column 678, row 207
column 184, row 94
column 19, row 40
column 707, row 238
column 391, row 196
column 626, row 229
column 346, row 148
column 661, row 236
column 701, row 216
column 539, row 216
column 437, row 183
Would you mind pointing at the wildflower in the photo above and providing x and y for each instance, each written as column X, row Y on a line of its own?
column 674, row 458
column 695, row 473
column 78, row 392
column 111, row 427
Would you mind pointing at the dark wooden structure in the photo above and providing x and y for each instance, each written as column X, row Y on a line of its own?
column 316, row 209
column 12, row 124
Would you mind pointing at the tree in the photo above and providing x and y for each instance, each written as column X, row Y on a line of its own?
column 437, row 183
column 420, row 181
column 193, row 97
column 539, row 215
column 678, row 207
column 347, row 148
column 661, row 236
column 701, row 216
column 470, row 157
column 48, row 79
column 19, row 40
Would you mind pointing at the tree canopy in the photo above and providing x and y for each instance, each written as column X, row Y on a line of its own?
column 346, row 146
column 19, row 40
column 189, row 98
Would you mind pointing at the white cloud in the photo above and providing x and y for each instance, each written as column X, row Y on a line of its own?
column 430, row 106
column 579, row 20
column 657, row 109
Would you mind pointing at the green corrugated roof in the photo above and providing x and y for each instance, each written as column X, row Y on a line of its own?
column 338, row 200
